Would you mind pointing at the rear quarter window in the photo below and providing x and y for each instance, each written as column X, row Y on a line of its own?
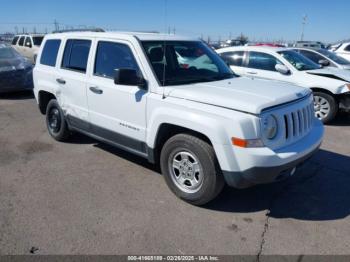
column 50, row 51
column 233, row 58
column 14, row 41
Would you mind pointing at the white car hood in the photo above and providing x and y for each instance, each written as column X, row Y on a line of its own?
column 241, row 93
column 335, row 73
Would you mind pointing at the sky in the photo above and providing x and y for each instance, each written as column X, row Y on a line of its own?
column 260, row 20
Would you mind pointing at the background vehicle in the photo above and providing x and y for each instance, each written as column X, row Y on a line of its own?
column 344, row 51
column 204, row 125
column 15, row 70
column 330, row 85
column 324, row 57
column 310, row 44
column 268, row 44
column 28, row 45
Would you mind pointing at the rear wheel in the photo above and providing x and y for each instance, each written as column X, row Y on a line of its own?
column 326, row 107
column 56, row 122
column 190, row 169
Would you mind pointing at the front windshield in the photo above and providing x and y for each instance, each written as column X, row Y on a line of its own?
column 332, row 56
column 7, row 53
column 299, row 61
column 185, row 62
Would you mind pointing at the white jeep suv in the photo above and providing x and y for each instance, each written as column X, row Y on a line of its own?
column 204, row 125
column 28, row 45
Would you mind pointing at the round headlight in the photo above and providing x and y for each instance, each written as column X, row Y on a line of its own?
column 270, row 126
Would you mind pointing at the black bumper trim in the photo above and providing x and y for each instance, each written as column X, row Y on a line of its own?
column 263, row 175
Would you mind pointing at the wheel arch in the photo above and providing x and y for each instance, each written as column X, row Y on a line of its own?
column 44, row 98
column 323, row 90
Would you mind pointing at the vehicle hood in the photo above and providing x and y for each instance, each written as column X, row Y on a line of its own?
column 334, row 73
column 13, row 64
column 241, row 93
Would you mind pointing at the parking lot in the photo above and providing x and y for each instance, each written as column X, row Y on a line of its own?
column 84, row 197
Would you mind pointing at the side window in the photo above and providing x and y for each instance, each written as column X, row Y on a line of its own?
column 28, row 42
column 111, row 56
column 312, row 56
column 233, row 58
column 347, row 48
column 14, row 41
column 76, row 54
column 262, row 61
column 21, row 41
column 50, row 51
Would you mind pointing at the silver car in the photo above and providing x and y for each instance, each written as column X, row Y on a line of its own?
column 324, row 57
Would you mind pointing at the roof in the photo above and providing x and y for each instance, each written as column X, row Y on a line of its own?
column 30, row 35
column 268, row 49
column 139, row 35
column 308, row 48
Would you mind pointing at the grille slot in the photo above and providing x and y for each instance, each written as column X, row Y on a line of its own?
column 298, row 122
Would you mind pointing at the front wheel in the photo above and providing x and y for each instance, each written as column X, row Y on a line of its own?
column 190, row 169
column 326, row 107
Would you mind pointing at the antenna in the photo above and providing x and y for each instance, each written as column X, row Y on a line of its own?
column 164, row 45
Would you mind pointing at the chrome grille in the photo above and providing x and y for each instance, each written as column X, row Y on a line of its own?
column 298, row 123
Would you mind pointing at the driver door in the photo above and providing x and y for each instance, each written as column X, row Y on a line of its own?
column 116, row 112
column 262, row 65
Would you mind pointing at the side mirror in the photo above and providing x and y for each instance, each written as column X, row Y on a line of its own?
column 29, row 45
column 282, row 69
column 129, row 77
column 324, row 62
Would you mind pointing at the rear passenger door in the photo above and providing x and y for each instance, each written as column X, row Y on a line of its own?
column 235, row 60
column 71, row 78
column 20, row 45
column 117, row 112
column 262, row 65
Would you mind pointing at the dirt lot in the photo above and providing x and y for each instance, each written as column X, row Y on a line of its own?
column 84, row 197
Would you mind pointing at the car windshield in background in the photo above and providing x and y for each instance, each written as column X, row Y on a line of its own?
column 37, row 40
column 299, row 61
column 185, row 62
column 7, row 53
column 332, row 56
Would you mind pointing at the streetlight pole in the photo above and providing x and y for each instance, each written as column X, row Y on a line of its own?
column 303, row 27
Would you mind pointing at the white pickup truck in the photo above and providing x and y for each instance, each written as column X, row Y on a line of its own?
column 201, row 123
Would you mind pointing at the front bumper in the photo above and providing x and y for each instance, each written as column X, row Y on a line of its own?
column 344, row 101
column 16, row 80
column 263, row 165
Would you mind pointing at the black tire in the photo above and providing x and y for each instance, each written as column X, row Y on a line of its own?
column 60, row 131
column 212, row 179
column 333, row 106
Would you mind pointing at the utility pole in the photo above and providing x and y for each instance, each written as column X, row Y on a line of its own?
column 174, row 30
column 304, row 21
column 56, row 25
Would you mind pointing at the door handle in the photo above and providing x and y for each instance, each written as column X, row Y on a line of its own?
column 61, row 81
column 96, row 90
column 252, row 73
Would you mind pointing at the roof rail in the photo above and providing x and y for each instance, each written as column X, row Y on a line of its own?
column 79, row 30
